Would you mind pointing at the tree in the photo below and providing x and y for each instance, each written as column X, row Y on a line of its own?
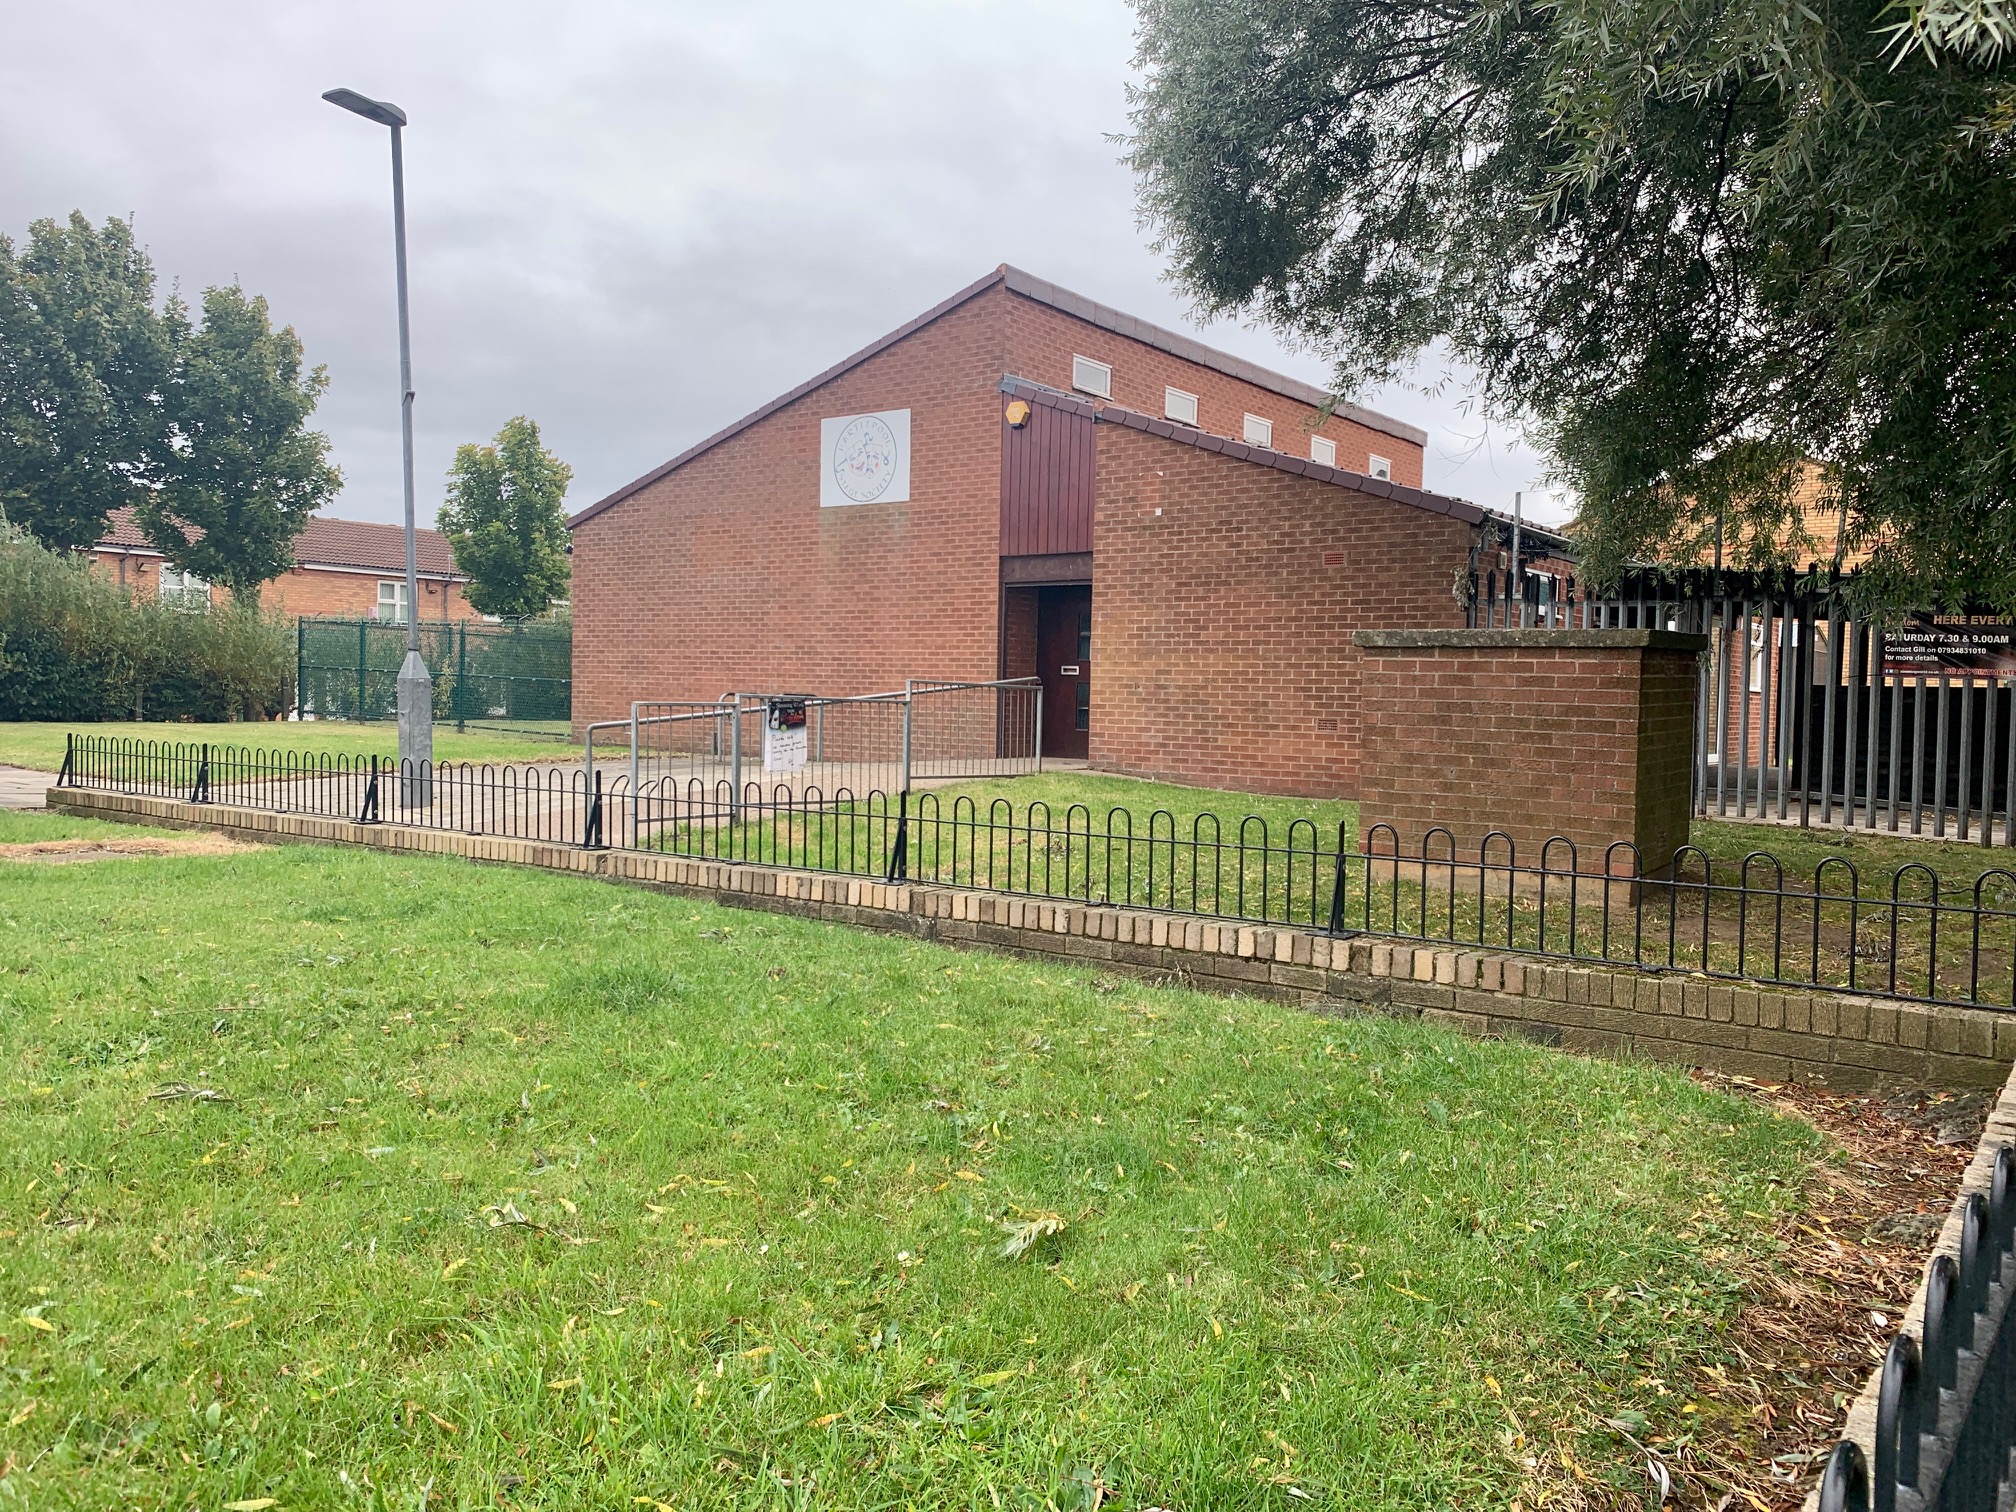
column 506, row 523
column 1691, row 245
column 244, row 474
column 85, row 360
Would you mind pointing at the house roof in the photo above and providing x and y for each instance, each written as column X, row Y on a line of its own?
column 1262, row 456
column 1043, row 292
column 360, row 545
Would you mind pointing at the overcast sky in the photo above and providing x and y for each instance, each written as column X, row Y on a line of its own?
column 632, row 222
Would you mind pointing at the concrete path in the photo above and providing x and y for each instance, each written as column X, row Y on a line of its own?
column 23, row 787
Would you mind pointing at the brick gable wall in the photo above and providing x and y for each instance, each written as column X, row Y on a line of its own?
column 727, row 574
column 1221, row 628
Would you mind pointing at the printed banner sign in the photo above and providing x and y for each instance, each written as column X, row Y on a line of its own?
column 864, row 459
column 1928, row 644
column 784, row 735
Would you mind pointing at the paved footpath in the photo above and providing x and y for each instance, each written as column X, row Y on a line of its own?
column 24, row 787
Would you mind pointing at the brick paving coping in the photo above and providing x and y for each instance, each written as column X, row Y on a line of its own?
column 1771, row 1034
column 1861, row 1423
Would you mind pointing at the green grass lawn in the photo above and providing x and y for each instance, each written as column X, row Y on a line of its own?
column 1097, row 793
column 25, row 826
column 41, row 745
column 357, row 1181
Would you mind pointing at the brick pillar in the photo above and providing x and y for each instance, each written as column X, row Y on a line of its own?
column 1583, row 734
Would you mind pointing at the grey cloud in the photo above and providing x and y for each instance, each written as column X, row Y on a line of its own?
column 633, row 222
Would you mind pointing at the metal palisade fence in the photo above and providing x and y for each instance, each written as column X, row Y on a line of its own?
column 1811, row 711
column 515, row 674
column 1907, row 933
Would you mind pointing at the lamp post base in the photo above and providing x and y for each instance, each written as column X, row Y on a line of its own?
column 416, row 732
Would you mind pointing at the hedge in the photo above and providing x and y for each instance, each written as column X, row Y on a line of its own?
column 74, row 646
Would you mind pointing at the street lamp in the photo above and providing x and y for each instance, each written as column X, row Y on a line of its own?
column 416, row 684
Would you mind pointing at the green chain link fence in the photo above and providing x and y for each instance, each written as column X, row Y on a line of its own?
column 516, row 676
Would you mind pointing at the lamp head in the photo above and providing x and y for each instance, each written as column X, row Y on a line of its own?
column 384, row 112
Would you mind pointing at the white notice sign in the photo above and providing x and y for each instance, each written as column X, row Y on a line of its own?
column 864, row 459
column 784, row 735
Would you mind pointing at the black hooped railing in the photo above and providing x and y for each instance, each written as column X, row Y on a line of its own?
column 1945, row 1423
column 1908, row 936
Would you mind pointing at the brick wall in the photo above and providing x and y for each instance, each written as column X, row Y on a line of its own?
column 726, row 573
column 1222, row 624
column 1040, row 342
column 1018, row 632
column 1535, row 733
column 355, row 595
column 300, row 590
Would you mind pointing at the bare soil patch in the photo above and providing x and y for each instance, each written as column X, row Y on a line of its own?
column 63, row 852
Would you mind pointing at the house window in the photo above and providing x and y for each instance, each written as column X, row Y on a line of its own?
column 184, row 590
column 1323, row 449
column 1179, row 406
column 1089, row 377
column 1379, row 467
column 392, row 602
column 1763, row 645
column 1259, row 432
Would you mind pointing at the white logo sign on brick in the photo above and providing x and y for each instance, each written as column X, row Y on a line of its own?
column 864, row 459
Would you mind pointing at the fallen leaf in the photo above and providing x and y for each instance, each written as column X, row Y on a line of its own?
column 1031, row 1231
column 453, row 1266
column 179, row 1092
column 42, row 1323
column 563, row 1385
column 252, row 1504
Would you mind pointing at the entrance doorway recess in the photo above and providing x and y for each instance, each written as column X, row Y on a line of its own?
column 1064, row 663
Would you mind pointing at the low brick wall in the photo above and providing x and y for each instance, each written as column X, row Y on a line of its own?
column 1585, row 734
column 1852, row 1042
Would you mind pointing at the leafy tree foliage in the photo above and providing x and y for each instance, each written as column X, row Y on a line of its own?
column 244, row 474
column 85, row 362
column 1691, row 244
column 108, row 402
column 505, row 520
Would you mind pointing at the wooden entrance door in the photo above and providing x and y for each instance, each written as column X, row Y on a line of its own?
column 1064, row 662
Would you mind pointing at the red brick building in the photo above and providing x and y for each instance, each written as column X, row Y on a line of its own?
column 352, row 568
column 1023, row 482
